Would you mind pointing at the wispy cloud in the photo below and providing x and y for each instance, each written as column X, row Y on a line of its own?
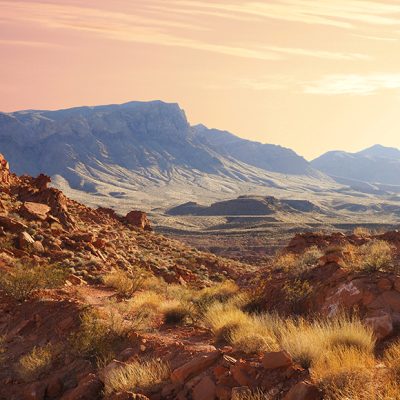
column 353, row 84
column 29, row 43
column 338, row 13
column 139, row 28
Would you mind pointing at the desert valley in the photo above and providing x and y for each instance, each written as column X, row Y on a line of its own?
column 142, row 258
column 199, row 200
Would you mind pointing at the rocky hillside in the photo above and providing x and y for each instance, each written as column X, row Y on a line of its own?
column 108, row 154
column 95, row 306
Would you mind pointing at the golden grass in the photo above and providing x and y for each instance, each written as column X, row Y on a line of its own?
column 345, row 372
column 99, row 332
column 31, row 365
column 391, row 358
column 124, row 283
column 306, row 341
column 249, row 334
column 256, row 394
column 138, row 375
column 362, row 231
column 376, row 255
column 220, row 292
column 297, row 263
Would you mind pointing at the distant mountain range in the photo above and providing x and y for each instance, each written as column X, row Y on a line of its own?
column 146, row 154
column 377, row 164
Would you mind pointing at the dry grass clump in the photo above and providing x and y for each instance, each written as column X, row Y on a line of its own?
column 362, row 231
column 345, row 373
column 296, row 292
column 306, row 341
column 297, row 263
column 391, row 358
column 250, row 334
column 136, row 376
column 38, row 361
column 99, row 332
column 125, row 283
column 376, row 255
column 220, row 292
column 177, row 312
column 23, row 280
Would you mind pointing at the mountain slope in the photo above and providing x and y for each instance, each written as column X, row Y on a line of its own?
column 126, row 154
column 377, row 164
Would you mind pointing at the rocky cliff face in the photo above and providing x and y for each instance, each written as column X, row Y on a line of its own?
column 113, row 151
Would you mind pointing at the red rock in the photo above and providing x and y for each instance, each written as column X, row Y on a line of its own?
column 223, row 392
column 303, row 391
column 89, row 388
column 204, row 390
column 54, row 388
column 240, row 373
column 42, row 181
column 220, row 370
column 35, row 391
column 34, row 211
column 11, row 224
column 138, row 219
column 397, row 283
column 381, row 323
column 76, row 280
column 25, row 241
column 277, row 359
column 384, row 284
column 4, row 171
column 392, row 299
column 194, row 366
column 38, row 246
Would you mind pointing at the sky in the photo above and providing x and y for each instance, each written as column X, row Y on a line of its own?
column 312, row 75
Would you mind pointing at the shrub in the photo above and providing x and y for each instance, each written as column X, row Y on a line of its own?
column 136, row 376
column 221, row 292
column 298, row 263
column 295, row 292
column 98, row 334
column 23, row 280
column 35, row 363
column 376, row 255
column 362, row 231
column 126, row 284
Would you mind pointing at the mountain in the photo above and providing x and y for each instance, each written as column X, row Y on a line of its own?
column 122, row 155
column 265, row 156
column 377, row 164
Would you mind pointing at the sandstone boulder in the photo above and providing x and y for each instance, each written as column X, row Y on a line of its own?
column 303, row 391
column 204, row 390
column 194, row 366
column 34, row 211
column 138, row 219
column 277, row 359
column 11, row 224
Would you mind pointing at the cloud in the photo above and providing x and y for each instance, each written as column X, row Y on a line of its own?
column 338, row 13
column 29, row 43
column 138, row 28
column 353, row 84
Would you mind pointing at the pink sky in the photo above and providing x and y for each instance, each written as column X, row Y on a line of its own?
column 313, row 75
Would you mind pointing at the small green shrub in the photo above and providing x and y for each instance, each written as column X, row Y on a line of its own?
column 23, row 280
